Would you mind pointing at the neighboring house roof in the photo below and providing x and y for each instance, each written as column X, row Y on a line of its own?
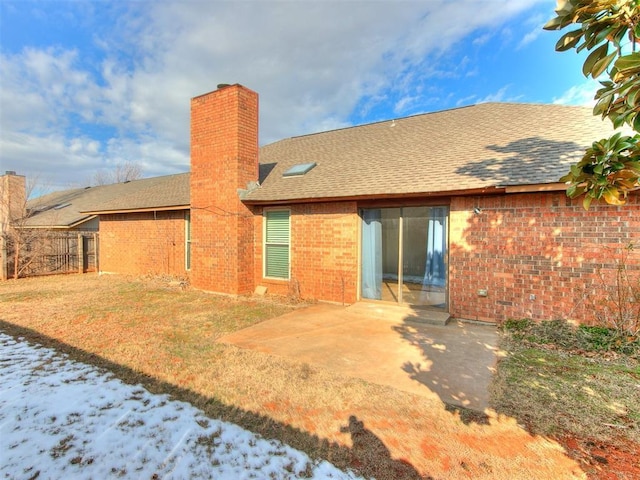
column 166, row 193
column 469, row 148
column 69, row 208
column 57, row 209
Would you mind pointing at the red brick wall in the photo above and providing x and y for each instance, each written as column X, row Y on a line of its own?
column 141, row 243
column 224, row 158
column 12, row 199
column 533, row 244
column 324, row 252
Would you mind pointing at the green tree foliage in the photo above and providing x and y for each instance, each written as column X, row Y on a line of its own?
column 610, row 31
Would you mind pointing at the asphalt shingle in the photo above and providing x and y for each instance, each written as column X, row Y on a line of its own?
column 481, row 146
column 469, row 148
column 158, row 192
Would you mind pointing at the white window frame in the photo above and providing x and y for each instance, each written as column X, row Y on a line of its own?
column 187, row 241
column 265, row 243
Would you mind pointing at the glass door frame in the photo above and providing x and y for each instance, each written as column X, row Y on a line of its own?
column 401, row 252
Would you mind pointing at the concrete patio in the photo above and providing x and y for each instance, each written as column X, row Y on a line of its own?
column 387, row 345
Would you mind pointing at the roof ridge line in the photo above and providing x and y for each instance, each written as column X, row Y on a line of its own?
column 375, row 123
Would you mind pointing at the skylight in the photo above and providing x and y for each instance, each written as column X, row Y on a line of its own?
column 299, row 169
column 41, row 208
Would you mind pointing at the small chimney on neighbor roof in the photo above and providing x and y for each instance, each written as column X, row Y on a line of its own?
column 13, row 198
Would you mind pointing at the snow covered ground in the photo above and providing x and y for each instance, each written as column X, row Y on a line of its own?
column 64, row 419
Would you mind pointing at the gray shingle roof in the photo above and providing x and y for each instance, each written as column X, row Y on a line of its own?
column 470, row 148
column 158, row 192
column 481, row 146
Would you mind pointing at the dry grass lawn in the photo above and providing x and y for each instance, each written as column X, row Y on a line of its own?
column 156, row 333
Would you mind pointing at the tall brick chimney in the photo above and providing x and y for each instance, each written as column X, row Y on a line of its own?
column 13, row 198
column 224, row 160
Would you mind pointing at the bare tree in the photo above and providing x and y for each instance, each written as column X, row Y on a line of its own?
column 123, row 172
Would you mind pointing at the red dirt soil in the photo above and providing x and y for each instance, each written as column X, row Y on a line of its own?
column 605, row 461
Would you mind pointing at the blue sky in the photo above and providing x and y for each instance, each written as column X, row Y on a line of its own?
column 87, row 85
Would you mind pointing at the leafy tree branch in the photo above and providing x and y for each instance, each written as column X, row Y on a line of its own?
column 610, row 31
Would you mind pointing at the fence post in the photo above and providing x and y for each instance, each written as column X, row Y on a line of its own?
column 80, row 250
column 96, row 258
column 3, row 257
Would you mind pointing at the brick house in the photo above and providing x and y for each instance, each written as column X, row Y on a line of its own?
column 457, row 211
column 144, row 226
column 63, row 233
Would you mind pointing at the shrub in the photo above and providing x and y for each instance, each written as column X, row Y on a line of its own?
column 517, row 325
column 551, row 332
column 563, row 335
column 554, row 332
column 615, row 297
column 596, row 338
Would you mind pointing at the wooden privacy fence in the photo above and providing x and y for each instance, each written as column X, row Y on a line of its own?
column 48, row 253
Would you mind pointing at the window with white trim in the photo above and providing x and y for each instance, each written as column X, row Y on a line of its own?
column 187, row 240
column 276, row 244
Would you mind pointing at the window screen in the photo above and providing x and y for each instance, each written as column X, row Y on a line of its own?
column 276, row 245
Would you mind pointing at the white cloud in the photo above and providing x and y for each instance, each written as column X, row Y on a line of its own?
column 152, row 154
column 535, row 23
column 40, row 156
column 482, row 39
column 529, row 37
column 468, row 100
column 404, row 104
column 501, row 95
column 579, row 94
column 312, row 63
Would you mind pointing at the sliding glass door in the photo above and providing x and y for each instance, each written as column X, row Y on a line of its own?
column 380, row 236
column 404, row 255
column 424, row 246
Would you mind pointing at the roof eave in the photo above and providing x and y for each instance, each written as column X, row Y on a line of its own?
column 84, row 220
column 493, row 190
column 536, row 187
column 139, row 210
column 71, row 224
column 43, row 227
